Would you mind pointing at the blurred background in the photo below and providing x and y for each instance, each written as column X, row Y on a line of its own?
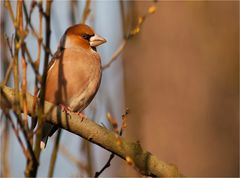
column 179, row 77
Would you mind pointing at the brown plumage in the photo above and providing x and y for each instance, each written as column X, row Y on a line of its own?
column 74, row 73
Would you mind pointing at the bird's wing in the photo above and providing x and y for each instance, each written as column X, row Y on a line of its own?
column 49, row 129
column 57, row 55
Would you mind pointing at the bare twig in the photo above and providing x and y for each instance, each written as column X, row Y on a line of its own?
column 30, row 60
column 24, row 66
column 37, row 35
column 24, row 89
column 6, row 103
column 86, row 11
column 114, row 124
column 15, row 59
column 115, row 54
column 37, row 62
column 9, row 44
column 133, row 32
column 72, row 11
column 4, row 125
column 71, row 158
column 9, row 7
column 5, row 169
column 16, row 105
column 54, row 154
column 10, row 66
column 136, row 30
column 89, row 156
column 108, row 164
column 16, row 131
column 43, row 84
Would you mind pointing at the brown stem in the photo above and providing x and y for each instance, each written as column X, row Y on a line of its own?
column 47, row 16
column 133, row 32
column 24, row 65
column 16, row 132
column 72, row 158
column 8, row 73
column 5, row 150
column 37, row 62
column 89, row 158
column 72, row 11
column 54, row 154
column 15, row 64
column 86, row 11
column 9, row 7
column 108, row 164
column 37, row 35
column 115, row 54
column 24, row 90
column 5, row 134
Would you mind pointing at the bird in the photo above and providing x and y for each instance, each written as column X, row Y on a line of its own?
column 74, row 73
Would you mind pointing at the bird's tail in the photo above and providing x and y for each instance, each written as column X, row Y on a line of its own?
column 43, row 143
column 48, row 131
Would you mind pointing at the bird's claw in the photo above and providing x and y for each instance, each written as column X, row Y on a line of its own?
column 81, row 115
column 66, row 110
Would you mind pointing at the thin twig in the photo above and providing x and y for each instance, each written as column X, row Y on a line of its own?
column 30, row 60
column 89, row 158
column 34, row 32
column 108, row 164
column 10, row 66
column 15, row 66
column 9, row 7
column 8, row 73
column 114, row 124
column 133, row 32
column 29, row 149
column 44, row 77
column 86, row 11
column 36, row 65
column 37, row 62
column 115, row 54
column 4, row 149
column 71, row 158
column 4, row 125
column 16, row 131
column 54, row 154
column 72, row 11
column 24, row 90
column 24, row 67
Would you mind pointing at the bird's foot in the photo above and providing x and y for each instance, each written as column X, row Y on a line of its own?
column 81, row 115
column 66, row 109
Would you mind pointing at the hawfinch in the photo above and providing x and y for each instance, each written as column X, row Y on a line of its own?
column 74, row 73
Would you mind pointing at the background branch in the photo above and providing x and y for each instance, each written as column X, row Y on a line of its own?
column 54, row 154
column 129, row 35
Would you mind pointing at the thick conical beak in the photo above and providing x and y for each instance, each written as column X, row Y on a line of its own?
column 96, row 40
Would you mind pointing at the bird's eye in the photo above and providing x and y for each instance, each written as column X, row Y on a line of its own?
column 86, row 36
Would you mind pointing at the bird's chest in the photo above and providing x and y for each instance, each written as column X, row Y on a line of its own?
column 84, row 84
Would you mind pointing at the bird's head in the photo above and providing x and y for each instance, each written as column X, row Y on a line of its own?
column 82, row 36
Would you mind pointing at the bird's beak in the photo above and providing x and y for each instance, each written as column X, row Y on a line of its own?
column 96, row 40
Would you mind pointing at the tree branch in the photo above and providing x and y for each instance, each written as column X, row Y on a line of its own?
column 146, row 163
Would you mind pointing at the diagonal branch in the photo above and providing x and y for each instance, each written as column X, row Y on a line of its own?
column 132, row 152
